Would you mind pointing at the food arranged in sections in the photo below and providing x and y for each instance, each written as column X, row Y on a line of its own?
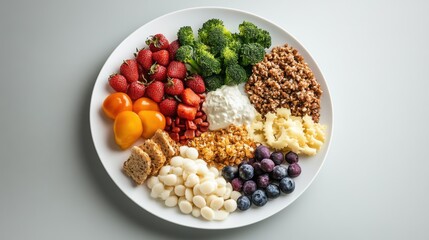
column 223, row 119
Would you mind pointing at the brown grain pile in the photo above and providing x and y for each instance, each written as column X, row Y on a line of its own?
column 283, row 79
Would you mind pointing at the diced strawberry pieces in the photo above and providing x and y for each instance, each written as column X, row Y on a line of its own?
column 186, row 112
column 190, row 97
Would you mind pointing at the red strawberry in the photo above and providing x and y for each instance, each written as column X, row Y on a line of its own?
column 144, row 58
column 136, row 90
column 176, row 70
column 155, row 91
column 196, row 83
column 172, row 49
column 186, row 112
column 157, row 72
column 174, row 86
column 118, row 82
column 157, row 42
column 130, row 69
column 190, row 98
column 161, row 57
column 168, row 107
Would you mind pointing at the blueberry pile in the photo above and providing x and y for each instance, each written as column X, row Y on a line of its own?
column 263, row 177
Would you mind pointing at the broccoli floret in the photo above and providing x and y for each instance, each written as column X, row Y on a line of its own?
column 186, row 36
column 251, row 53
column 214, row 34
column 250, row 33
column 217, row 40
column 209, row 65
column 229, row 56
column 214, row 82
column 186, row 54
column 235, row 74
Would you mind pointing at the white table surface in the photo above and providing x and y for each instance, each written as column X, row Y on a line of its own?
column 375, row 181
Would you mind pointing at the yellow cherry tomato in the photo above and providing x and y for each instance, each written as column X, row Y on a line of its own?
column 151, row 121
column 115, row 103
column 127, row 128
column 144, row 103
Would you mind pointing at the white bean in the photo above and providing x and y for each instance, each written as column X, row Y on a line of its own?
column 171, row 201
column 209, row 199
column 196, row 190
column 176, row 161
column 235, row 195
column 199, row 201
column 190, row 167
column 220, row 215
column 221, row 181
column 217, row 203
column 227, row 194
column 178, row 171
column 192, row 180
column 185, row 207
column 214, row 171
column 220, row 191
column 189, row 194
column 157, row 190
column 196, row 212
column 164, row 170
column 170, row 180
column 152, row 181
column 207, row 213
column 230, row 205
column 179, row 190
column 202, row 170
column 192, row 153
column 208, row 187
column 165, row 194
column 182, row 150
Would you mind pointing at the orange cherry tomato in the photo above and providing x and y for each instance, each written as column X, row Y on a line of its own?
column 151, row 121
column 145, row 104
column 127, row 128
column 116, row 103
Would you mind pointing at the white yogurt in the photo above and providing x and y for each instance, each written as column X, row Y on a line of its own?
column 228, row 105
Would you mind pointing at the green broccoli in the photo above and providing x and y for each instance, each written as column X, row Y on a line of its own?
column 250, row 33
column 209, row 65
column 235, row 74
column 186, row 54
column 214, row 82
column 186, row 36
column 214, row 33
column 229, row 56
column 251, row 53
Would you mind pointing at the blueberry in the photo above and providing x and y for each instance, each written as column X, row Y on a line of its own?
column 259, row 198
column 277, row 157
column 249, row 187
column 291, row 157
column 272, row 191
column 287, row 185
column 263, row 180
column 279, row 172
column 243, row 203
column 267, row 165
column 246, row 171
column 294, row 170
column 262, row 152
column 237, row 184
column 229, row 173
column 257, row 168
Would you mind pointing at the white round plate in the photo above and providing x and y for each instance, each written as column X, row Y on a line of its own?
column 112, row 157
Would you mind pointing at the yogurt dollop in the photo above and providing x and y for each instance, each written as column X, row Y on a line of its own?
column 228, row 105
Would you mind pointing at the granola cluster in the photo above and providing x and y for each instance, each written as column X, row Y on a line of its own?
column 224, row 147
column 284, row 80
